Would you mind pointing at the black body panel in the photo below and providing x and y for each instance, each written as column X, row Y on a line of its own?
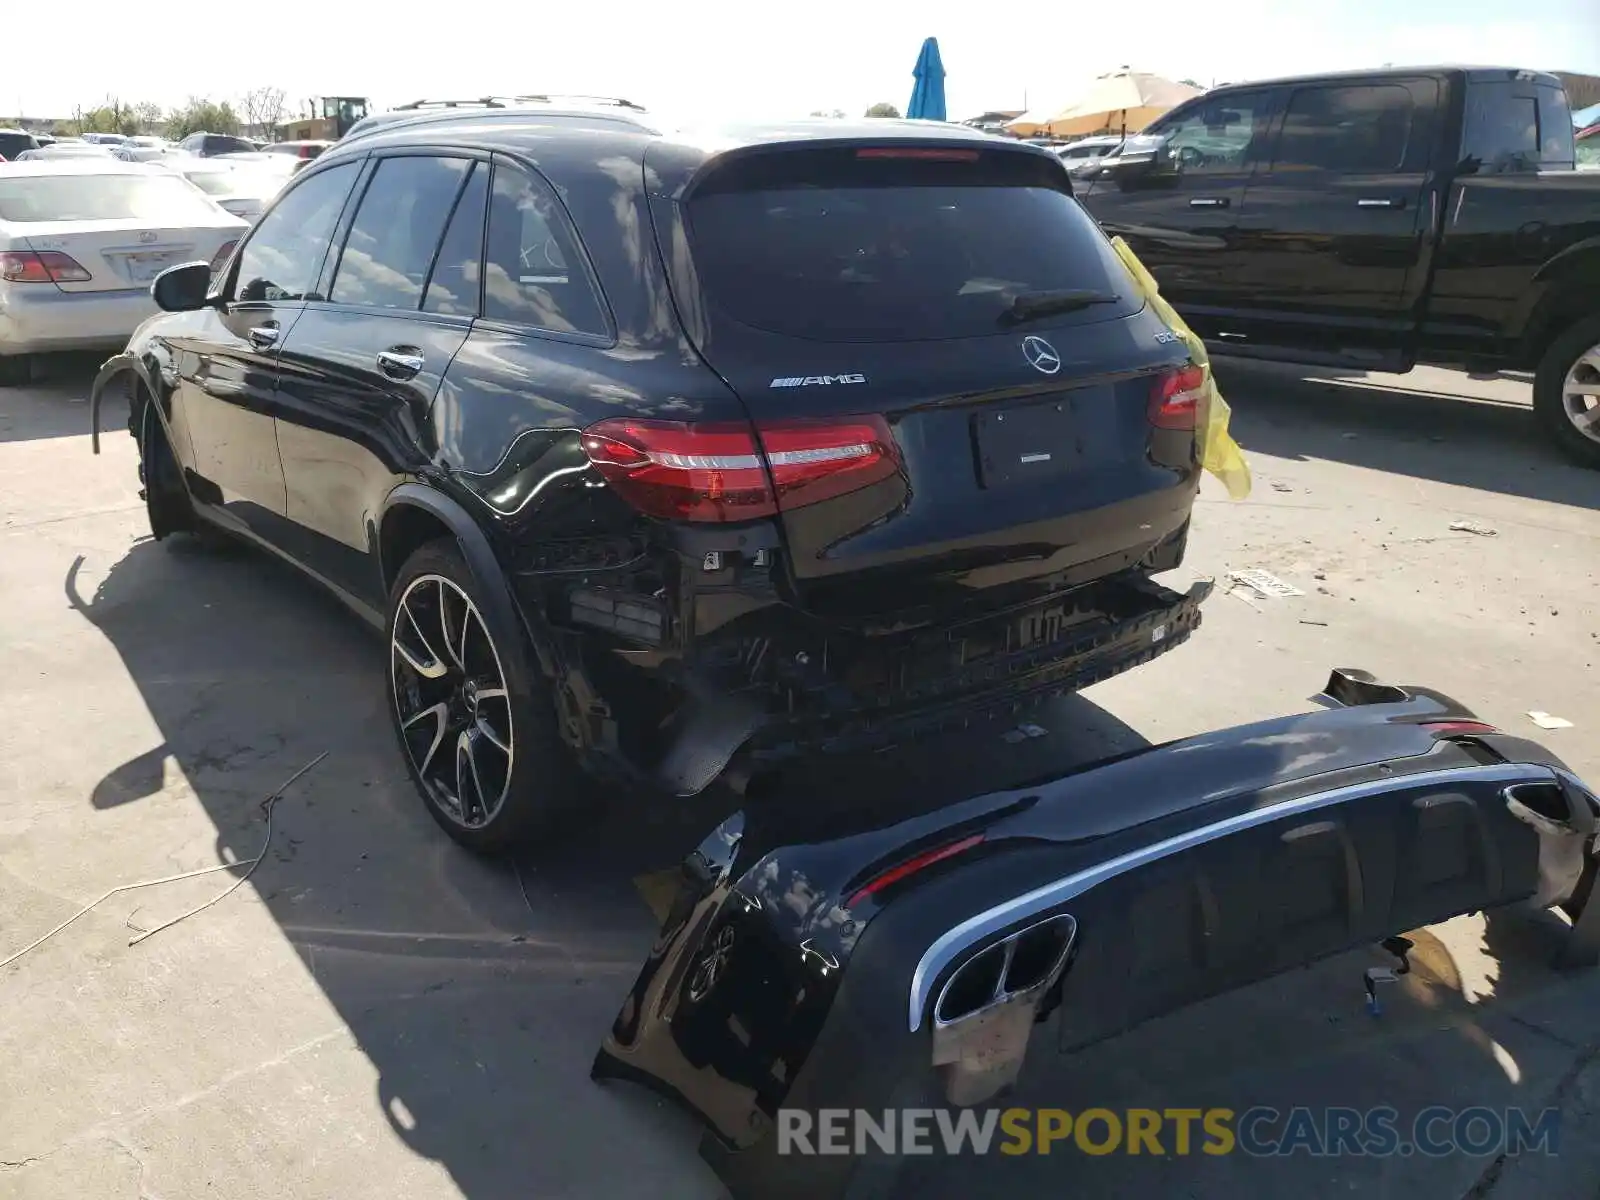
column 784, row 979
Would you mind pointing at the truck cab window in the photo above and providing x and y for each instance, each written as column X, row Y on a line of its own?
column 1501, row 132
column 1216, row 136
column 1350, row 130
column 1557, row 136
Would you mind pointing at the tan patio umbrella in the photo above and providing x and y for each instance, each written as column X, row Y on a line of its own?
column 1029, row 124
column 1123, row 102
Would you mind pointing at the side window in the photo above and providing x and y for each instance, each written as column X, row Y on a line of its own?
column 533, row 273
column 396, row 231
column 1501, row 132
column 1352, row 130
column 458, row 273
column 1588, row 154
column 283, row 256
column 1218, row 135
column 1556, row 131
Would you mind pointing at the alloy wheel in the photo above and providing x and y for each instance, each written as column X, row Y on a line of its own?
column 451, row 701
column 1580, row 394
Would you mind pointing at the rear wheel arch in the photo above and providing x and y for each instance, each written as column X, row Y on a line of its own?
column 1569, row 299
column 416, row 514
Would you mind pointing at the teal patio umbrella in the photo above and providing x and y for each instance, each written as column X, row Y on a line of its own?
column 927, row 97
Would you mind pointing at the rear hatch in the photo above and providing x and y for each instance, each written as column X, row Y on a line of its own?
column 949, row 370
column 114, row 232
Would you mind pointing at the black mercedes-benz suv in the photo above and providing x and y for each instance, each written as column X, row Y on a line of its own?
column 674, row 456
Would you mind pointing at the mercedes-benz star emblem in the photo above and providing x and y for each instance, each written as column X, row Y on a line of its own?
column 1041, row 355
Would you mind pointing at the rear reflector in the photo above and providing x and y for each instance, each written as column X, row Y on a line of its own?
column 1175, row 402
column 924, row 153
column 728, row 472
column 912, row 865
column 47, row 266
column 220, row 259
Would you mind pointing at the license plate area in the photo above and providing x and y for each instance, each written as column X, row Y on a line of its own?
column 144, row 266
column 1033, row 442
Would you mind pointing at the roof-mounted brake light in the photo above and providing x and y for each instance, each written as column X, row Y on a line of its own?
column 922, row 153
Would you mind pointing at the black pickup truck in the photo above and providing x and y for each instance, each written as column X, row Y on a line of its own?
column 1374, row 220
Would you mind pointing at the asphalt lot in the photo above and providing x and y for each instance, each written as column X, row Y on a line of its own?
column 375, row 1014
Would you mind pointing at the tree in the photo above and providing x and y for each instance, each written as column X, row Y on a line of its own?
column 263, row 110
column 883, row 110
column 111, row 117
column 202, row 116
column 1191, row 83
column 149, row 117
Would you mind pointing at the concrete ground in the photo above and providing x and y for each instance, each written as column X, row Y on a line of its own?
column 375, row 1014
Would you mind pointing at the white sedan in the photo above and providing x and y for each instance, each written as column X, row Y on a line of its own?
column 243, row 188
column 143, row 149
column 81, row 240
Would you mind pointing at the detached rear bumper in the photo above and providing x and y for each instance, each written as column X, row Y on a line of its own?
column 783, row 988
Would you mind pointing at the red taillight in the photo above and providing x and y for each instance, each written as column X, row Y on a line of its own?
column 220, row 259
column 912, row 865
column 1175, row 402
column 727, row 472
column 925, row 153
column 1457, row 728
column 46, row 266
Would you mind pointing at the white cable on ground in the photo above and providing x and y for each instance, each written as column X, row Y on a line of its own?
column 251, row 863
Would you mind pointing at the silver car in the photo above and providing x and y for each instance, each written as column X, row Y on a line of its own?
column 80, row 242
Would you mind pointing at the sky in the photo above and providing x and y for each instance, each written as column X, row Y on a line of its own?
column 701, row 59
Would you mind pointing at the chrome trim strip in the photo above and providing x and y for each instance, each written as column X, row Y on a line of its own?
column 956, row 941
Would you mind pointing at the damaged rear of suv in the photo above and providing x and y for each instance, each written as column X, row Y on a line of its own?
column 964, row 446
column 679, row 457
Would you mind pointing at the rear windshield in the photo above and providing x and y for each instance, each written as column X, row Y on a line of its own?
column 214, row 183
column 897, row 251
column 163, row 198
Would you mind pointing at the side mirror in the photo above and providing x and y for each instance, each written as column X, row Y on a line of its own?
column 184, row 288
column 1125, row 168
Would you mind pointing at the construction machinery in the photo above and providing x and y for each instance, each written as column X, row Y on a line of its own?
column 337, row 115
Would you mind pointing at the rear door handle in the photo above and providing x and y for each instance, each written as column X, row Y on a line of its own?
column 402, row 362
column 1380, row 202
column 1209, row 202
column 263, row 336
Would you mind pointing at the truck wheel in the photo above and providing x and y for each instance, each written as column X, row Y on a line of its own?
column 1566, row 392
column 476, row 721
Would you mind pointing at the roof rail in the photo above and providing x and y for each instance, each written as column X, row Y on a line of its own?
column 509, row 101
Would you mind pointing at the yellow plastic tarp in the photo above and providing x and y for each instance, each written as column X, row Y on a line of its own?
column 1219, row 453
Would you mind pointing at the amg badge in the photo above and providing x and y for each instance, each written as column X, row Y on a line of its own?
column 813, row 380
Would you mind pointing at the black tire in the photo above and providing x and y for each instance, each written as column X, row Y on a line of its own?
column 166, row 500
column 1549, row 397
column 16, row 370
column 504, row 797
